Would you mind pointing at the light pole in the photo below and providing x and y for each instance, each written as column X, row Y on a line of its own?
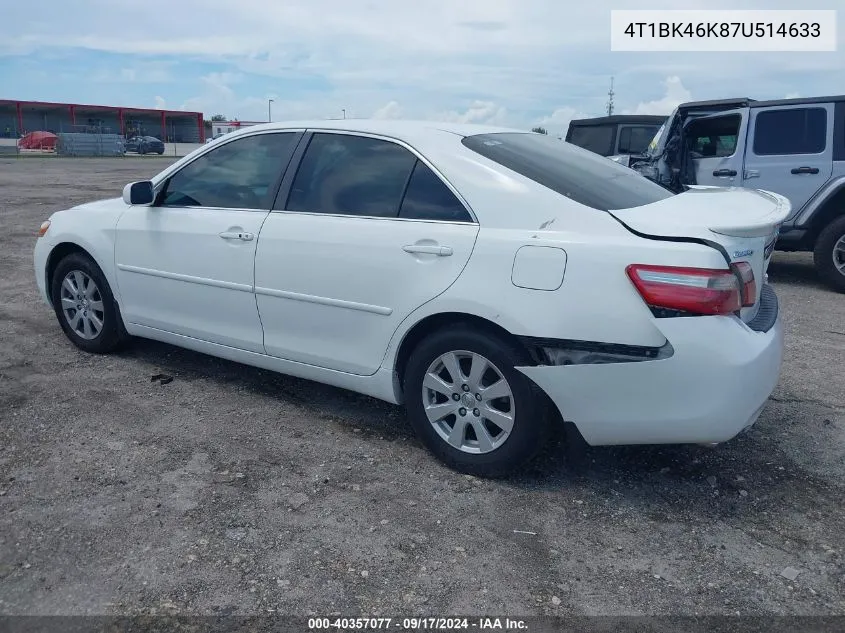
column 269, row 111
column 344, row 113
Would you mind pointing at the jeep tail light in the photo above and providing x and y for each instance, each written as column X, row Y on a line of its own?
column 695, row 290
column 749, row 285
column 43, row 228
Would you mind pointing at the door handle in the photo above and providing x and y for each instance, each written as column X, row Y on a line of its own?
column 751, row 173
column 804, row 170
column 237, row 235
column 428, row 249
column 721, row 173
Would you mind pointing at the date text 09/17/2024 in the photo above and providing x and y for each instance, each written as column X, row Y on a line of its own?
column 417, row 624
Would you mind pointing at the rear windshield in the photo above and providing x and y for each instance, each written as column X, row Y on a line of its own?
column 592, row 180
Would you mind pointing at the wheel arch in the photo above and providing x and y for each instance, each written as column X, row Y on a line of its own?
column 818, row 215
column 62, row 250
column 433, row 323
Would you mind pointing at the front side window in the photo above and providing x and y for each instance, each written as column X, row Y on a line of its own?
column 582, row 176
column 792, row 131
column 714, row 137
column 351, row 175
column 238, row 175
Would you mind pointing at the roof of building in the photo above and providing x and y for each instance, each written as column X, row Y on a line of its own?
column 84, row 106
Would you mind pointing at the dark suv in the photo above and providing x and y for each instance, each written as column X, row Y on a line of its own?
column 794, row 147
column 617, row 136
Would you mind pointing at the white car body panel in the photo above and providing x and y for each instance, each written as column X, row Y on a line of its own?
column 704, row 393
column 176, row 274
column 332, row 298
column 314, row 311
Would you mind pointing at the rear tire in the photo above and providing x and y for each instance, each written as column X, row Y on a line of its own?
column 84, row 304
column 829, row 254
column 462, row 425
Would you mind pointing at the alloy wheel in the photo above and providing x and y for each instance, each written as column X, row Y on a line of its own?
column 468, row 401
column 839, row 255
column 82, row 305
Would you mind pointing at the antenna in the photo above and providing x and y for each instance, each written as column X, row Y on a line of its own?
column 610, row 94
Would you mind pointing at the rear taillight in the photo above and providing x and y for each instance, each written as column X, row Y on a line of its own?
column 749, row 285
column 695, row 290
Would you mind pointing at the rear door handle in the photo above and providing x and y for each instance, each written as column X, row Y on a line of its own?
column 751, row 173
column 804, row 170
column 237, row 235
column 428, row 249
column 720, row 173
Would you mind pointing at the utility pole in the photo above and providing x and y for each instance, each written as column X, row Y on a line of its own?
column 269, row 111
column 610, row 94
column 344, row 113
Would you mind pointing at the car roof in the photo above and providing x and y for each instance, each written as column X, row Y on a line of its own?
column 741, row 102
column 393, row 128
column 619, row 119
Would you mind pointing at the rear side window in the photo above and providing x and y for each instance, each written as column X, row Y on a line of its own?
column 583, row 176
column 792, row 131
column 596, row 138
column 428, row 198
column 351, row 175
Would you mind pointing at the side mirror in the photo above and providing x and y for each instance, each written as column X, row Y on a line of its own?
column 139, row 194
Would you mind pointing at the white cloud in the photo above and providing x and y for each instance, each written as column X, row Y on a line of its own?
column 161, row 104
column 791, row 95
column 513, row 62
column 481, row 112
column 675, row 94
column 558, row 121
column 391, row 110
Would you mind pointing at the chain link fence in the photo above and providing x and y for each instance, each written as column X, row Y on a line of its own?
column 78, row 141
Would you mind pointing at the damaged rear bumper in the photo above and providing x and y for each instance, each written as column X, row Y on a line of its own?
column 713, row 385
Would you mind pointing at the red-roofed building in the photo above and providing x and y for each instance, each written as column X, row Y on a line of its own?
column 173, row 126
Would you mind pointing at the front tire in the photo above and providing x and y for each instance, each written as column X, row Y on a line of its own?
column 829, row 254
column 469, row 405
column 85, row 306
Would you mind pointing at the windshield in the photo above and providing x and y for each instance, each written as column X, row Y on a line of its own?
column 652, row 146
column 576, row 173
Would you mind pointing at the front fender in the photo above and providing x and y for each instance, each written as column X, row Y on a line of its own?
column 97, row 240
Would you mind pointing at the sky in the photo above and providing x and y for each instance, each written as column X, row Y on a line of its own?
column 519, row 63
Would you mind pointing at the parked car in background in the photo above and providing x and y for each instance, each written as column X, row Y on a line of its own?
column 492, row 280
column 617, row 136
column 794, row 147
column 145, row 145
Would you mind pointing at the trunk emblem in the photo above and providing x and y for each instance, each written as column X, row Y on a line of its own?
column 745, row 253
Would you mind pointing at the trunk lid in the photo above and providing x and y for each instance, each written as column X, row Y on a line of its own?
column 744, row 223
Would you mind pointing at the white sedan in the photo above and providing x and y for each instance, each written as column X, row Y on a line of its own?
column 493, row 281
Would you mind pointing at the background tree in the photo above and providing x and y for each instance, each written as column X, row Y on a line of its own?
column 539, row 130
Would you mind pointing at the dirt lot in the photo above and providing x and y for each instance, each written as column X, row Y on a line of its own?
column 234, row 490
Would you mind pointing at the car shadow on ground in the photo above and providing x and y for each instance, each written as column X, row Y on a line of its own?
column 795, row 268
column 666, row 474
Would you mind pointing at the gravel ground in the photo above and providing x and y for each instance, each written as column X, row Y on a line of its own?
column 235, row 490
